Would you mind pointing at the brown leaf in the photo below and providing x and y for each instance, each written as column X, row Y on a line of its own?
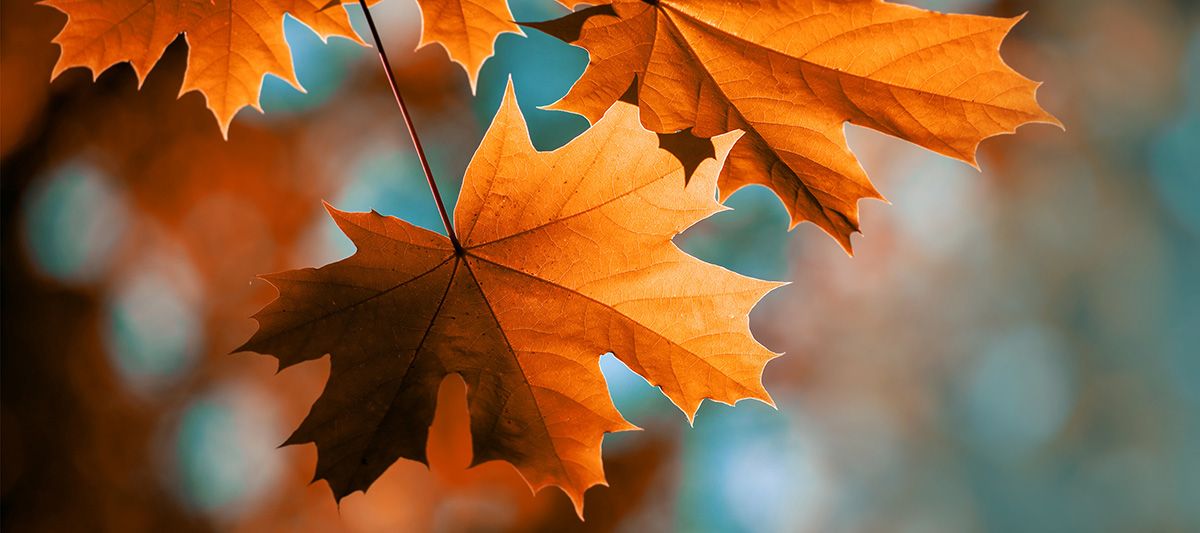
column 232, row 44
column 790, row 74
column 568, row 255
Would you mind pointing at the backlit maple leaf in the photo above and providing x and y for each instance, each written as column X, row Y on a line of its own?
column 790, row 74
column 467, row 29
column 567, row 255
column 232, row 44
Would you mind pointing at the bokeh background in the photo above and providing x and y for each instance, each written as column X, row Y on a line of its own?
column 1011, row 350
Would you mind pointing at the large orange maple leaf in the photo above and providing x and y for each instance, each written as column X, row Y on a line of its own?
column 232, row 44
column 790, row 74
column 566, row 255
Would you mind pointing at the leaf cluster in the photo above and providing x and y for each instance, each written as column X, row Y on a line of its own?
column 555, row 258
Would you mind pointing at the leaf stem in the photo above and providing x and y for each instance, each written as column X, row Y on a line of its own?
column 412, row 130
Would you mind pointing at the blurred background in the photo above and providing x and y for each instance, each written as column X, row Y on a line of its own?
column 1011, row 350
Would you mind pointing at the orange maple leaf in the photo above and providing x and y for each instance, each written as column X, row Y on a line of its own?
column 790, row 74
column 567, row 255
column 467, row 29
column 232, row 44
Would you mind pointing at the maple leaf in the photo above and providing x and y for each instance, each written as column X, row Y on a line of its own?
column 232, row 44
column 567, row 255
column 467, row 29
column 790, row 74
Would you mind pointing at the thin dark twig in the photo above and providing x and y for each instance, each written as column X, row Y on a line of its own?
column 412, row 130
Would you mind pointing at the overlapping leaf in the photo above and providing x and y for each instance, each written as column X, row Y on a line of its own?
column 567, row 255
column 790, row 74
column 232, row 44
